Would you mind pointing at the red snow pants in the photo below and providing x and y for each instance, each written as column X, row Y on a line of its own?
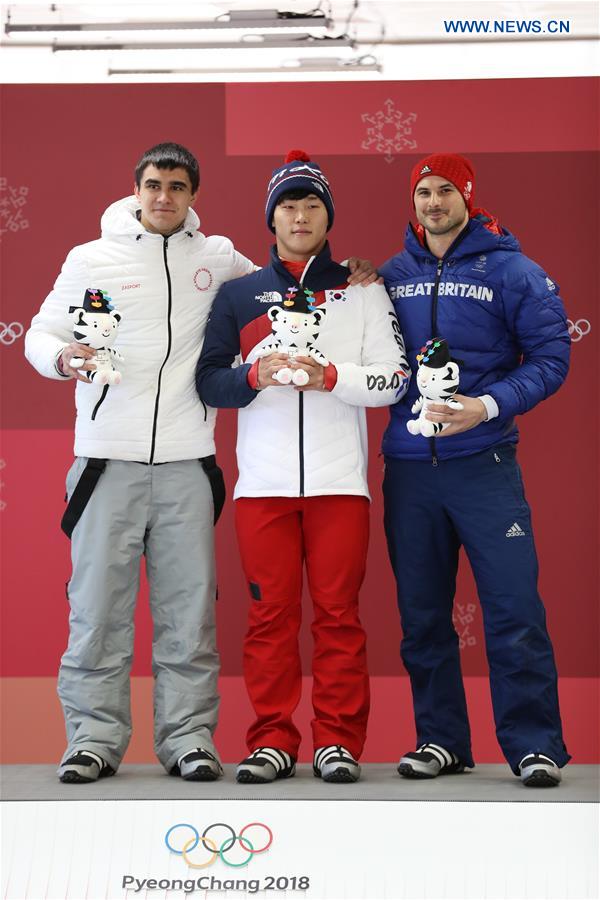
column 277, row 536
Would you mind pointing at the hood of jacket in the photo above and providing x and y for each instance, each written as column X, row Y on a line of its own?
column 121, row 219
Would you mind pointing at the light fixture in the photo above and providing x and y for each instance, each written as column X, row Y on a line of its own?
column 367, row 63
column 248, row 41
column 251, row 18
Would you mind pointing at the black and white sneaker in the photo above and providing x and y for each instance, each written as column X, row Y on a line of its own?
column 83, row 767
column 335, row 764
column 429, row 761
column 198, row 765
column 265, row 764
column 538, row 770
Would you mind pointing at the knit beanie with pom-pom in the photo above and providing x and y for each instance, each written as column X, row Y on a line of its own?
column 298, row 172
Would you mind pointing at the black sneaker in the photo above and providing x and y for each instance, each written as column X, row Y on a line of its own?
column 335, row 764
column 198, row 765
column 429, row 761
column 264, row 765
column 538, row 770
column 83, row 767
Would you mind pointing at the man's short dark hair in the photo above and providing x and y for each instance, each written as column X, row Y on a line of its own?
column 169, row 156
column 298, row 194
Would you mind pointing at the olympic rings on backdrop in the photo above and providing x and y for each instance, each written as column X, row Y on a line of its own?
column 193, row 865
column 578, row 329
column 224, row 849
column 10, row 333
column 192, row 843
column 221, row 825
column 181, row 825
column 258, row 825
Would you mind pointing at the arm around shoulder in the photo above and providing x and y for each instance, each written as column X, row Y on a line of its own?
column 241, row 264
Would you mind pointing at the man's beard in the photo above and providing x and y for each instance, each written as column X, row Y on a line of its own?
column 440, row 228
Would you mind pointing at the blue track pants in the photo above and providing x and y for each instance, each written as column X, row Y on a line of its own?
column 430, row 512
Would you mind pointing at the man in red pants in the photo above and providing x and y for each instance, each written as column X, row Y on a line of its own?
column 302, row 495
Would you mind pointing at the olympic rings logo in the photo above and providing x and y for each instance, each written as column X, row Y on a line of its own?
column 191, row 843
column 10, row 333
column 578, row 329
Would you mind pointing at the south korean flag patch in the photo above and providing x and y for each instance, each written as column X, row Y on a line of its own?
column 336, row 296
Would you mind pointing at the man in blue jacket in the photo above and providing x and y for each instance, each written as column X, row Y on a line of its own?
column 463, row 277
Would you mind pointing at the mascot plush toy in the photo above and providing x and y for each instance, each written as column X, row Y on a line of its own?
column 96, row 324
column 437, row 380
column 295, row 328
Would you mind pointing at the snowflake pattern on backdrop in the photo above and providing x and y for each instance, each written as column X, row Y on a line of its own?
column 12, row 202
column 2, row 502
column 462, row 619
column 387, row 131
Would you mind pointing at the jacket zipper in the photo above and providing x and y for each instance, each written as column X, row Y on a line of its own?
column 169, row 338
column 301, row 404
column 434, row 303
column 301, row 439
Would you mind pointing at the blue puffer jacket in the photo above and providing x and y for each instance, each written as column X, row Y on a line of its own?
column 503, row 319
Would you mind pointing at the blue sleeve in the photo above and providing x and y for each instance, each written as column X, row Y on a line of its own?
column 386, row 270
column 536, row 318
column 217, row 383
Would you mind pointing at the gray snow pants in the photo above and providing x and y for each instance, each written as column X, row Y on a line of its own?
column 165, row 513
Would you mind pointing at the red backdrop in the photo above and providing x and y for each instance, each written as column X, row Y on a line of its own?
column 68, row 151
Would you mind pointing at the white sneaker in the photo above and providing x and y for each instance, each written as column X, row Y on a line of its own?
column 538, row 770
column 429, row 761
column 335, row 764
column 265, row 764
column 199, row 765
column 84, row 767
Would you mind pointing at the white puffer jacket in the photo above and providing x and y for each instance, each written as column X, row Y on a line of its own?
column 163, row 288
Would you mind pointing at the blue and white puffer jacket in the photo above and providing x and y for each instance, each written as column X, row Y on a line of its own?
column 293, row 443
column 503, row 319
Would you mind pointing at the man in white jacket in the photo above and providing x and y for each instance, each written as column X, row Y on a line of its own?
column 144, row 481
column 302, row 495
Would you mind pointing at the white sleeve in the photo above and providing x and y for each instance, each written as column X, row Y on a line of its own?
column 491, row 407
column 383, row 375
column 52, row 329
column 242, row 265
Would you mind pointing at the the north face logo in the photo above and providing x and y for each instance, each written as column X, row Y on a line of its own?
column 269, row 297
column 424, row 170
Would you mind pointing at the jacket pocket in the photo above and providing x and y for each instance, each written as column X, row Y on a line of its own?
column 505, row 460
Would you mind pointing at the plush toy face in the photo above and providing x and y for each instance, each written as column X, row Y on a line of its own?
column 96, row 330
column 295, row 328
column 438, row 384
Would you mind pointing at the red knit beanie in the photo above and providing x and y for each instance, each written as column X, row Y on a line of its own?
column 455, row 168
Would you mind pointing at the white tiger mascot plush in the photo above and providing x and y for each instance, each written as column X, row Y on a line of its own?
column 295, row 327
column 437, row 380
column 96, row 324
